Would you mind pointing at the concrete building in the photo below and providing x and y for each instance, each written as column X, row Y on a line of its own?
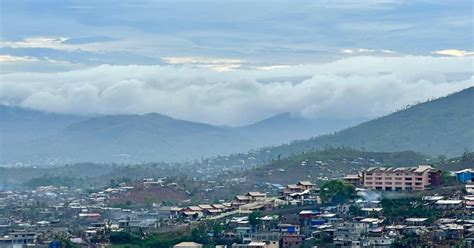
column 402, row 178
column 353, row 179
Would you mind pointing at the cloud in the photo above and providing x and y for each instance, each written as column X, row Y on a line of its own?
column 9, row 58
column 361, row 51
column 359, row 87
column 453, row 52
column 87, row 40
column 45, row 42
column 216, row 64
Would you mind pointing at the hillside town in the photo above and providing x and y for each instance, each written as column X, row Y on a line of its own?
column 377, row 207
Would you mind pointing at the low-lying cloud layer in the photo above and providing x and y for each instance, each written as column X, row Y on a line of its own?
column 353, row 88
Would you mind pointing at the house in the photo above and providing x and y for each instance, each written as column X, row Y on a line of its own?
column 21, row 238
column 205, row 207
column 291, row 188
column 448, row 204
column 168, row 212
column 256, row 244
column 256, row 196
column 470, row 188
column 193, row 209
column 188, row 245
column 465, row 176
column 212, row 211
column 271, row 239
column 306, row 185
column 306, row 215
column 291, row 240
column 348, row 234
column 240, row 200
column 355, row 180
column 378, row 242
column 416, row 221
column 289, row 228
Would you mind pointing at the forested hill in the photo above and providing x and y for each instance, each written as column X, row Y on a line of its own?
column 444, row 126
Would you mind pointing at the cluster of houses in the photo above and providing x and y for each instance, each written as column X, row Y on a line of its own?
column 339, row 227
column 38, row 216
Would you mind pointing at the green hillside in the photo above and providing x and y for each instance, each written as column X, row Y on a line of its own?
column 328, row 163
column 444, row 126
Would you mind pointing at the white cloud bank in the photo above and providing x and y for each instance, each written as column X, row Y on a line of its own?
column 352, row 88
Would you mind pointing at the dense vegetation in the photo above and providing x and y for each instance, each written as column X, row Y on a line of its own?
column 399, row 209
column 332, row 162
column 198, row 233
column 336, row 192
column 439, row 127
column 457, row 163
column 55, row 181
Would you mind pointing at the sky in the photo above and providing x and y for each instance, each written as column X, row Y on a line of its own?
column 233, row 62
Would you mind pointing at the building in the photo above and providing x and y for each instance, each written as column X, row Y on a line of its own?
column 465, row 176
column 402, row 178
column 188, row 245
column 22, row 238
column 306, row 185
column 353, row 179
column 291, row 240
column 470, row 188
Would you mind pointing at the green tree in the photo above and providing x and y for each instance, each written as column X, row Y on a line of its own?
column 336, row 191
column 121, row 238
column 254, row 219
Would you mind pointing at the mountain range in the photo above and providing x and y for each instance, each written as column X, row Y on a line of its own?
column 444, row 126
column 35, row 137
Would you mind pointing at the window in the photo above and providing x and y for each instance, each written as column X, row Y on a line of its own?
column 419, row 179
column 398, row 178
column 408, row 178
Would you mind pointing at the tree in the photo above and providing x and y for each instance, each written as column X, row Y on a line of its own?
column 254, row 219
column 355, row 210
column 217, row 229
column 336, row 191
column 121, row 238
column 199, row 234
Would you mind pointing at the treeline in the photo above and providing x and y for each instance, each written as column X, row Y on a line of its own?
column 56, row 181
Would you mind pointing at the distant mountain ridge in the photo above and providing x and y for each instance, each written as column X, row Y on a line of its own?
column 129, row 138
column 444, row 126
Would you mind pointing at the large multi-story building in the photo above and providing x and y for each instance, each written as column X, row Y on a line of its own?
column 402, row 178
